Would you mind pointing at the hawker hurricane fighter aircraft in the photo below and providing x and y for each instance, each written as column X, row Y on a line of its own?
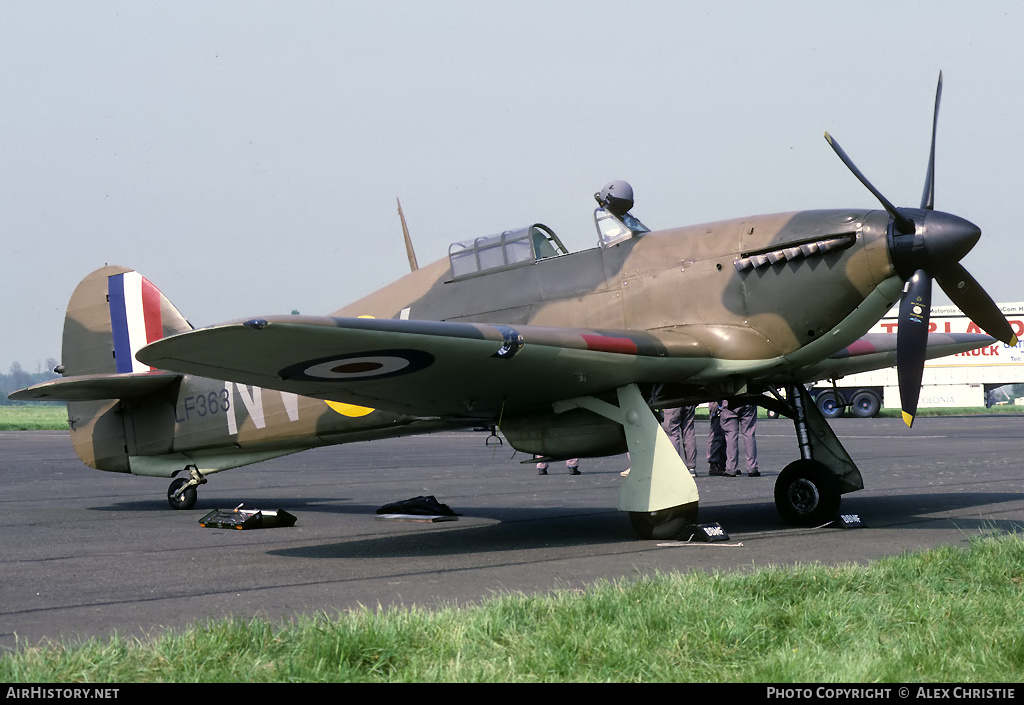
column 566, row 353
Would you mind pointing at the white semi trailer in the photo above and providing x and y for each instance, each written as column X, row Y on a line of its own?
column 965, row 379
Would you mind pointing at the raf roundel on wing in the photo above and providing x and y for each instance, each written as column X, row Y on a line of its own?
column 376, row 364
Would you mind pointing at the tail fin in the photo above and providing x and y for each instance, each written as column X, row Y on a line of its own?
column 112, row 314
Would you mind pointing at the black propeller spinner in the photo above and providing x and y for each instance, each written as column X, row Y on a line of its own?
column 926, row 244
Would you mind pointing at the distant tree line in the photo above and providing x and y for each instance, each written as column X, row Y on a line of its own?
column 19, row 378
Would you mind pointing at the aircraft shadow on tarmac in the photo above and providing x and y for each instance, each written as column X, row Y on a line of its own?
column 512, row 528
column 523, row 529
column 518, row 530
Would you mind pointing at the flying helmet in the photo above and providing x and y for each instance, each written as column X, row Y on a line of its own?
column 616, row 197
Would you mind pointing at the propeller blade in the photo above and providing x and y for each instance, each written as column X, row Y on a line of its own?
column 903, row 224
column 931, row 247
column 912, row 340
column 970, row 298
column 928, row 197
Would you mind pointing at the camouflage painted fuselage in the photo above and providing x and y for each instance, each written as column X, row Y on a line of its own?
column 752, row 289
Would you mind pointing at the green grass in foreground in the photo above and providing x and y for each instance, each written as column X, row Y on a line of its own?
column 945, row 615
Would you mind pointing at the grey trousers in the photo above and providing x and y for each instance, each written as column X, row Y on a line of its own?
column 739, row 423
column 679, row 426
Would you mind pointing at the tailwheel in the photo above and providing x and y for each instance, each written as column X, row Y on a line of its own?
column 664, row 523
column 807, row 493
column 180, row 495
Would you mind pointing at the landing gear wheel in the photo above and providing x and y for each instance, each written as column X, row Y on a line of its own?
column 185, row 500
column 665, row 523
column 807, row 494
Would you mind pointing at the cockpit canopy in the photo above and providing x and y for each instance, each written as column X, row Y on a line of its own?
column 511, row 248
column 613, row 229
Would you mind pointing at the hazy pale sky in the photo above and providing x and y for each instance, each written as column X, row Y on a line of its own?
column 245, row 156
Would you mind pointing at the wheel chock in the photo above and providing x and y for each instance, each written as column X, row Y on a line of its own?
column 704, row 533
column 848, row 521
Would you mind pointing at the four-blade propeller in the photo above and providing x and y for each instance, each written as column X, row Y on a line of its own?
column 926, row 244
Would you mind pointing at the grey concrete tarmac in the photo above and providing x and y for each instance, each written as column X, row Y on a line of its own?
column 87, row 553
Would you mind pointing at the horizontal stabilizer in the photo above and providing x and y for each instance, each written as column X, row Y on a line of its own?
column 96, row 387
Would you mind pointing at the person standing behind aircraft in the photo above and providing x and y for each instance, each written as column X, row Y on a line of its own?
column 572, row 464
column 679, row 426
column 737, row 420
column 716, row 440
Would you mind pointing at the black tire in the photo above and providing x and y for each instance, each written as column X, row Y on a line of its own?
column 186, row 500
column 664, row 524
column 865, row 404
column 829, row 405
column 807, row 494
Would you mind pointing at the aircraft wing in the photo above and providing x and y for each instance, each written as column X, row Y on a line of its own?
column 427, row 368
column 875, row 351
column 471, row 370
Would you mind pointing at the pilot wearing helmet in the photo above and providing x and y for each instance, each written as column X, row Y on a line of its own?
column 614, row 221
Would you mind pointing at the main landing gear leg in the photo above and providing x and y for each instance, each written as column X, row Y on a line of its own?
column 659, row 493
column 182, row 492
column 808, row 490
